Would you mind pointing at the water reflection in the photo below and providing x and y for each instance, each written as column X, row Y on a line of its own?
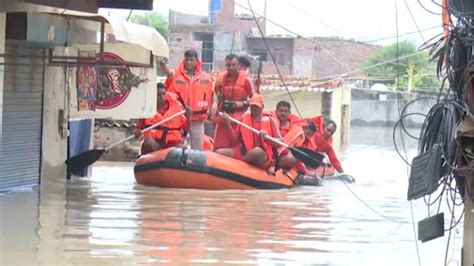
column 109, row 219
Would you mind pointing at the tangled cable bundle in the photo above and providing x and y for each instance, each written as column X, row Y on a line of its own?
column 453, row 54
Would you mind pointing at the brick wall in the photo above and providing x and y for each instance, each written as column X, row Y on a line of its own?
column 350, row 55
column 227, row 21
column 303, row 53
column 181, row 39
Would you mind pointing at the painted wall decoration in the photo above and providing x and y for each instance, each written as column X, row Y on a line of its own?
column 86, row 84
column 111, row 87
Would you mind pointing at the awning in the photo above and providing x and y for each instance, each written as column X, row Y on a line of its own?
column 144, row 36
column 129, row 32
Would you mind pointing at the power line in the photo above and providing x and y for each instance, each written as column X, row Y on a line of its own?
column 427, row 10
column 400, row 35
column 273, row 58
column 414, row 21
column 401, row 135
column 299, row 35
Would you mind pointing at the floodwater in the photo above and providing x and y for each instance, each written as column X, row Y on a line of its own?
column 109, row 219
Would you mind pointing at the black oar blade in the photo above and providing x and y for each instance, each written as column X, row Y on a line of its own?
column 84, row 159
column 309, row 157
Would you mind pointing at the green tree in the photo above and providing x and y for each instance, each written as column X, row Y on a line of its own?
column 414, row 71
column 152, row 19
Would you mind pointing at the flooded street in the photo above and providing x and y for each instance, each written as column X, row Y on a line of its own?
column 109, row 219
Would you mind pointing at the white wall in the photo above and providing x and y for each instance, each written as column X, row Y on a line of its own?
column 340, row 97
column 53, row 177
column 54, row 146
column 2, row 50
column 309, row 103
column 141, row 102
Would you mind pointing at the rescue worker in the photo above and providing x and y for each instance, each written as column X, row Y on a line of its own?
column 285, row 119
column 308, row 176
column 323, row 140
column 194, row 89
column 309, row 129
column 170, row 133
column 244, row 63
column 255, row 149
column 329, row 129
column 324, row 147
column 233, row 90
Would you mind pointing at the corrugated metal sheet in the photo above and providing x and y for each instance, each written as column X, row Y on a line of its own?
column 20, row 156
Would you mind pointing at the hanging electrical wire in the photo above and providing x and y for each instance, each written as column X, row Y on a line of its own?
column 453, row 53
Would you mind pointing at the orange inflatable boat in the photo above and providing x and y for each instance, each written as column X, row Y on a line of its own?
column 184, row 168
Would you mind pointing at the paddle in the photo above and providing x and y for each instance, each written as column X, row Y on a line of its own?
column 87, row 158
column 309, row 157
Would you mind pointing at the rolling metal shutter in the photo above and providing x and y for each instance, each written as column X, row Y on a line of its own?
column 20, row 154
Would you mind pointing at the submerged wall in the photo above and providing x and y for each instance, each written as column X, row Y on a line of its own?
column 382, row 108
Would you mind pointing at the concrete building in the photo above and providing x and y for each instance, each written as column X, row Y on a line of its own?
column 45, row 48
column 214, row 36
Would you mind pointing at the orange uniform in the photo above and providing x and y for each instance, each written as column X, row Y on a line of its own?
column 251, row 140
column 323, row 146
column 319, row 121
column 293, row 119
column 239, row 89
column 195, row 91
column 168, row 134
column 208, row 143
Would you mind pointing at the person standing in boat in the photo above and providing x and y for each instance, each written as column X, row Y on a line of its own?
column 233, row 90
column 194, row 89
column 255, row 149
column 170, row 133
column 245, row 64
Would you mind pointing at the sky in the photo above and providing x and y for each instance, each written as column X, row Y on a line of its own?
column 362, row 20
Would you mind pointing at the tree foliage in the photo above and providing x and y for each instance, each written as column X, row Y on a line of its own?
column 152, row 19
column 414, row 69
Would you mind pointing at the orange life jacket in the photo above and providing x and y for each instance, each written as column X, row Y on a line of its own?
column 208, row 143
column 233, row 90
column 171, row 130
column 310, row 144
column 248, row 136
column 195, row 92
column 292, row 119
column 319, row 121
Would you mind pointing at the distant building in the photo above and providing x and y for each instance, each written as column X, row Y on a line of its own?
column 214, row 36
column 223, row 32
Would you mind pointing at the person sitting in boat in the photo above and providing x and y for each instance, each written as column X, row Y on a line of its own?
column 194, row 89
column 325, row 147
column 208, row 144
column 255, row 149
column 308, row 175
column 328, row 130
column 233, row 90
column 284, row 118
column 170, row 133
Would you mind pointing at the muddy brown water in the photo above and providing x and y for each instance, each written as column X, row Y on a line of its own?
column 109, row 219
